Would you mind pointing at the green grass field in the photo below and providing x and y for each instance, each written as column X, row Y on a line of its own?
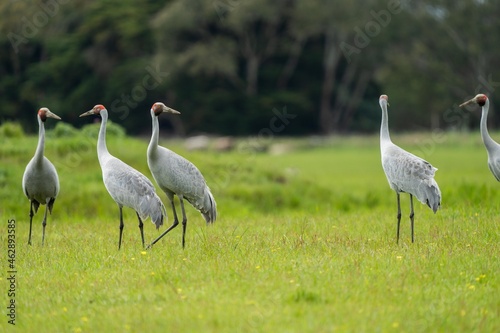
column 305, row 242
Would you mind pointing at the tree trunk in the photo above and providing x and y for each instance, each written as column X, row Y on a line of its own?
column 291, row 64
column 343, row 95
column 330, row 62
column 252, row 75
column 356, row 98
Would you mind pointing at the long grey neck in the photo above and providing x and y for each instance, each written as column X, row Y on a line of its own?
column 102, row 149
column 488, row 141
column 41, row 141
column 153, row 144
column 384, row 126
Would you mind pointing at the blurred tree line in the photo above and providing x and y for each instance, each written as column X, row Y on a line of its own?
column 239, row 67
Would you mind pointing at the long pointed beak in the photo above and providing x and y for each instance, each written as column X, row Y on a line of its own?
column 52, row 115
column 88, row 113
column 170, row 110
column 467, row 103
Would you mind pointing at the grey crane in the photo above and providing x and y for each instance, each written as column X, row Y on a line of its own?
column 127, row 186
column 40, row 180
column 406, row 172
column 177, row 176
column 492, row 147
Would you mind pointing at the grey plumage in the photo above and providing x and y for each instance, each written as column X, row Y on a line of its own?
column 175, row 175
column 40, row 179
column 491, row 146
column 406, row 172
column 127, row 186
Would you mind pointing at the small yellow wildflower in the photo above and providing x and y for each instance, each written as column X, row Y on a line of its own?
column 85, row 319
column 462, row 313
column 395, row 324
column 481, row 277
column 144, row 253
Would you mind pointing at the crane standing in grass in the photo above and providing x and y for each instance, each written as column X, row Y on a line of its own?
column 127, row 186
column 492, row 147
column 177, row 176
column 406, row 172
column 40, row 180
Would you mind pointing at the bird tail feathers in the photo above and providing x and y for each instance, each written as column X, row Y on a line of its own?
column 153, row 207
column 429, row 193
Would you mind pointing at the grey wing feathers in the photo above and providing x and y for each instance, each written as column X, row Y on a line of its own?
column 183, row 178
column 151, row 205
column 41, row 182
column 198, row 193
column 411, row 174
column 494, row 165
column 206, row 206
column 129, row 187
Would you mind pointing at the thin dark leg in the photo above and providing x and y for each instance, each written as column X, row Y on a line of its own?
column 141, row 228
column 399, row 216
column 31, row 220
column 184, row 222
column 412, row 214
column 176, row 222
column 121, row 228
column 44, row 223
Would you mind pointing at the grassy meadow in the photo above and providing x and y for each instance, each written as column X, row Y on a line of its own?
column 305, row 241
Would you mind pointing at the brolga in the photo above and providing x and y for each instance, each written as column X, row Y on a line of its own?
column 40, row 180
column 175, row 175
column 406, row 172
column 127, row 186
column 492, row 147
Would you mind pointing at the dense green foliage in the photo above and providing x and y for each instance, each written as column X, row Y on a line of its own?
column 230, row 66
column 304, row 242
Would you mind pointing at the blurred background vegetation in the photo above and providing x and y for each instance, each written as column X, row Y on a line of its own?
column 232, row 66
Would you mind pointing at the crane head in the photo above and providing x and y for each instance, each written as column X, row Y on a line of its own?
column 43, row 113
column 95, row 110
column 159, row 107
column 480, row 99
column 384, row 97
